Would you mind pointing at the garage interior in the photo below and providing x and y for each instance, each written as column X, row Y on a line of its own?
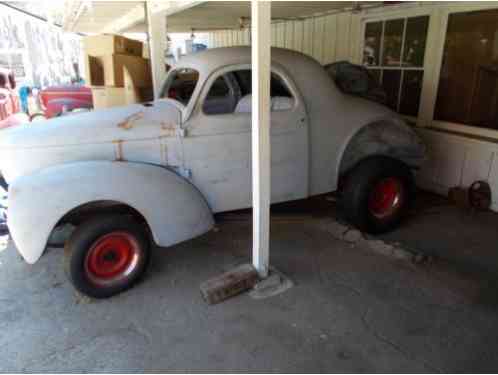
column 421, row 298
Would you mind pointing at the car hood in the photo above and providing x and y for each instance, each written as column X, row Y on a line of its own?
column 138, row 121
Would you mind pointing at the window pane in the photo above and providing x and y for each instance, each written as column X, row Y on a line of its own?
column 232, row 93
column 371, row 49
column 278, row 87
column 390, row 83
column 468, row 84
column 220, row 99
column 219, row 89
column 410, row 92
column 415, row 38
column 180, row 85
column 393, row 35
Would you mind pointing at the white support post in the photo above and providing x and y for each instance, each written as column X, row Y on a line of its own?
column 157, row 37
column 261, row 188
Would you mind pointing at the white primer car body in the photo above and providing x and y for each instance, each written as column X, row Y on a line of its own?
column 175, row 165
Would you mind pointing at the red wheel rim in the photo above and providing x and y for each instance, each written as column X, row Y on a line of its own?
column 112, row 258
column 386, row 197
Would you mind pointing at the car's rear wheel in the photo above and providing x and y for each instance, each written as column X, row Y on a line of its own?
column 106, row 255
column 377, row 194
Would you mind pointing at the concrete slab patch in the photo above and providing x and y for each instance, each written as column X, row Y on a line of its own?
column 380, row 247
column 276, row 283
column 352, row 236
column 400, row 253
column 335, row 228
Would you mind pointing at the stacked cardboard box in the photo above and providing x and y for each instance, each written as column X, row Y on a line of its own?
column 116, row 71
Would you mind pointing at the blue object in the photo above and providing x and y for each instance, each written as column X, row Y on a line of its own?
column 24, row 92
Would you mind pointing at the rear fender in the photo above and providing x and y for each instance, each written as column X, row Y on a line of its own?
column 173, row 208
column 388, row 137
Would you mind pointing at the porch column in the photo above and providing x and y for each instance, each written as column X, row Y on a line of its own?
column 261, row 40
column 157, row 37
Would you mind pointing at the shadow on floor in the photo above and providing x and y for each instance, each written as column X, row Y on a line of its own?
column 351, row 310
column 464, row 241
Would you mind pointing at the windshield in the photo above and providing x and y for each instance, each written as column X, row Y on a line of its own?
column 180, row 85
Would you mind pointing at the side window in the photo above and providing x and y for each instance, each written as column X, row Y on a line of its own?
column 219, row 89
column 223, row 99
column 180, row 85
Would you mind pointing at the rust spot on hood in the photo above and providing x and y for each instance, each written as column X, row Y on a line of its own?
column 128, row 122
column 118, row 150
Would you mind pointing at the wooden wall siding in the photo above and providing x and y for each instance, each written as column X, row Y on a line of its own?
column 326, row 38
column 458, row 161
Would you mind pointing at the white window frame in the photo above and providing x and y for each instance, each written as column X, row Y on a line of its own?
column 392, row 12
column 436, row 36
column 433, row 84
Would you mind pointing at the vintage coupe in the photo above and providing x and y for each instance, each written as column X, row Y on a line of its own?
column 156, row 172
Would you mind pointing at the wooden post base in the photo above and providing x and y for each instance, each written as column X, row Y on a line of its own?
column 229, row 284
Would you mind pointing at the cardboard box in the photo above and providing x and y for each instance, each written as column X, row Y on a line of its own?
column 99, row 45
column 109, row 96
column 105, row 97
column 108, row 70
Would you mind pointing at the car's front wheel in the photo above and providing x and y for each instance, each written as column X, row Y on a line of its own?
column 377, row 194
column 107, row 255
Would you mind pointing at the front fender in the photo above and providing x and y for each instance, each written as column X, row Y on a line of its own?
column 173, row 208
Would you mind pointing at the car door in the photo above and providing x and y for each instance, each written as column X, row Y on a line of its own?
column 289, row 140
column 217, row 144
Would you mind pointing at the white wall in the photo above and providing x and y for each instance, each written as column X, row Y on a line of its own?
column 326, row 38
column 456, row 160
column 39, row 53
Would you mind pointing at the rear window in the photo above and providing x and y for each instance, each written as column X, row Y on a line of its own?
column 180, row 85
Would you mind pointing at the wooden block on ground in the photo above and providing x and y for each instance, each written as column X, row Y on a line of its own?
column 229, row 284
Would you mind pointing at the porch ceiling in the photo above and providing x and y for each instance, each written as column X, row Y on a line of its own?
column 227, row 14
column 215, row 15
column 78, row 16
column 90, row 17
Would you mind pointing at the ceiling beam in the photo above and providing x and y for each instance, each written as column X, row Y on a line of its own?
column 137, row 14
column 72, row 12
column 131, row 18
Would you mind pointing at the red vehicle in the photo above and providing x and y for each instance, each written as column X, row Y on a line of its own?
column 57, row 100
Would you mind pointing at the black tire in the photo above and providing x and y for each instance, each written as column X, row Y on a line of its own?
column 359, row 197
column 93, row 241
column 37, row 117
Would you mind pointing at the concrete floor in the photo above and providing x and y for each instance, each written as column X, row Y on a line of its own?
column 351, row 310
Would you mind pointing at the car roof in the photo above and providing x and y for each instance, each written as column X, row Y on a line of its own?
column 313, row 82
column 207, row 61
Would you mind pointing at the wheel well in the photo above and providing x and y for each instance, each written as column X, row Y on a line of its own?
column 343, row 177
column 390, row 138
column 85, row 211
